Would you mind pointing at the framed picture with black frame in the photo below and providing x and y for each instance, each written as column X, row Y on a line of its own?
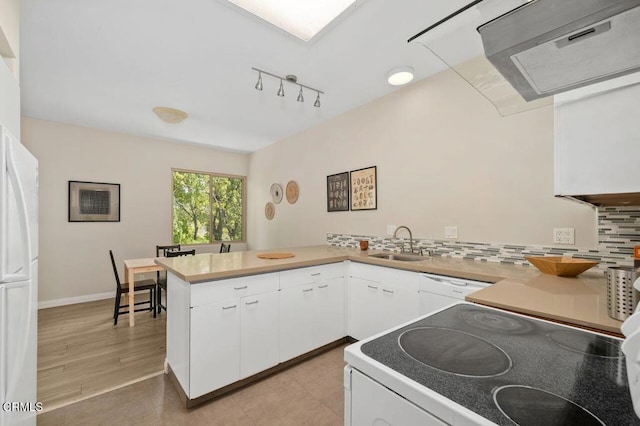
column 364, row 189
column 94, row 201
column 338, row 192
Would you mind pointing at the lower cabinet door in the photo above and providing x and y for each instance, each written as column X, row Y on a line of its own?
column 398, row 305
column 330, row 319
column 364, row 308
column 374, row 405
column 215, row 346
column 259, row 333
column 297, row 321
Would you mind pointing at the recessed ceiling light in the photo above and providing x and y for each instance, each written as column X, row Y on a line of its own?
column 400, row 76
column 170, row 115
column 303, row 19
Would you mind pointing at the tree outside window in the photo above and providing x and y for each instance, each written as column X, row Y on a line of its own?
column 207, row 207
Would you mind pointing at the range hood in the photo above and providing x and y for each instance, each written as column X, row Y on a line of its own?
column 546, row 47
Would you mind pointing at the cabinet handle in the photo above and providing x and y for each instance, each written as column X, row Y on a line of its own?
column 229, row 307
column 387, row 291
column 323, row 286
column 457, row 291
column 372, row 287
column 316, row 274
column 240, row 288
column 307, row 290
column 252, row 303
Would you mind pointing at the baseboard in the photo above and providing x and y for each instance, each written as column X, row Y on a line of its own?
column 78, row 299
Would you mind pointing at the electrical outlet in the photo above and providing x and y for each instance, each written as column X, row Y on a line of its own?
column 564, row 236
column 390, row 230
column 451, row 232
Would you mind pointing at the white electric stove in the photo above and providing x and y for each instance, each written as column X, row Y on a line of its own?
column 473, row 365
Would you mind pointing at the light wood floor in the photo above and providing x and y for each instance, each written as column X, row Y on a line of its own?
column 82, row 354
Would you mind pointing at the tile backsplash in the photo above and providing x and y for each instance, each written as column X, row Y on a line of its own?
column 618, row 232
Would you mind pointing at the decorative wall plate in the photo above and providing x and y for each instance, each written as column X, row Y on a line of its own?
column 292, row 192
column 269, row 211
column 276, row 193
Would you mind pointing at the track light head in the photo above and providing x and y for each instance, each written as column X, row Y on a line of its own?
column 259, row 83
column 300, row 96
column 317, row 102
column 281, row 89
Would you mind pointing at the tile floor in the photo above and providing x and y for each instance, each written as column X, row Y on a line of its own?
column 309, row 393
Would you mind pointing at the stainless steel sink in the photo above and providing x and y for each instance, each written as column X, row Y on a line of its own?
column 399, row 257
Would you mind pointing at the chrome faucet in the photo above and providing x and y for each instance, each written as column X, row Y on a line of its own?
column 395, row 235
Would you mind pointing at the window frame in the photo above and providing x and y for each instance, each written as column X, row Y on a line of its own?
column 244, row 205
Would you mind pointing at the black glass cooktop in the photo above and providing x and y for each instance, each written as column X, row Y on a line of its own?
column 510, row 369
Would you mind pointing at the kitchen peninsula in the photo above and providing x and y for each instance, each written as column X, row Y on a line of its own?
column 234, row 317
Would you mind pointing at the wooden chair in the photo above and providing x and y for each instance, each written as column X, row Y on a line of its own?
column 163, row 284
column 123, row 288
column 161, row 279
column 225, row 248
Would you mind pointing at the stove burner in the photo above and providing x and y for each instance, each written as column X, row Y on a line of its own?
column 526, row 406
column 454, row 352
column 494, row 321
column 586, row 343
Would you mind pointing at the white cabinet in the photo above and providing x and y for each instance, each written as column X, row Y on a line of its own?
column 368, row 403
column 297, row 321
column 596, row 138
column 215, row 346
column 9, row 100
column 380, row 298
column 258, row 333
column 233, row 331
column 312, row 309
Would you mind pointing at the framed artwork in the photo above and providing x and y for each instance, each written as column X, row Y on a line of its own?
column 364, row 189
column 338, row 192
column 94, row 202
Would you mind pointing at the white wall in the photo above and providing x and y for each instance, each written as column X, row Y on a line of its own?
column 74, row 257
column 444, row 157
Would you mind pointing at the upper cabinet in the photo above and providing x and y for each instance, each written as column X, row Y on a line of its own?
column 597, row 145
column 9, row 28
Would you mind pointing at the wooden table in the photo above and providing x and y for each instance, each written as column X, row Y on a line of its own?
column 131, row 268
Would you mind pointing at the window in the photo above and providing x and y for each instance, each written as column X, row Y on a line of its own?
column 207, row 207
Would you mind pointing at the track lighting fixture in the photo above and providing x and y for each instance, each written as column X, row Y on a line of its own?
column 290, row 78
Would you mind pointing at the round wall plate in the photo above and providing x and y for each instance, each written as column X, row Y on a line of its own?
column 292, row 192
column 269, row 211
column 276, row 193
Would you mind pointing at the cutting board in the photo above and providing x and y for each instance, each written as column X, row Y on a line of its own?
column 275, row 255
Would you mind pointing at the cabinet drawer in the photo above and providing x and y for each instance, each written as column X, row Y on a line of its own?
column 311, row 275
column 367, row 272
column 212, row 291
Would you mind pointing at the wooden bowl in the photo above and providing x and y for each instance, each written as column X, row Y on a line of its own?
column 561, row 266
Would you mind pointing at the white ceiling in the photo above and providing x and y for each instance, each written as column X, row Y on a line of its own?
column 106, row 64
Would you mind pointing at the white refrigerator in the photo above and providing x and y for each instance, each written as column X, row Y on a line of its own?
column 18, row 282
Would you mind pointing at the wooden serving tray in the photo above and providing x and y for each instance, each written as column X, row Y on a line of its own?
column 275, row 255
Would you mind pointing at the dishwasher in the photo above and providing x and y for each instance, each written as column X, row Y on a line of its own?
column 437, row 291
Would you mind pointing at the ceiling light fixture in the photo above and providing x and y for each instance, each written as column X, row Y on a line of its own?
column 400, row 76
column 290, row 78
column 170, row 115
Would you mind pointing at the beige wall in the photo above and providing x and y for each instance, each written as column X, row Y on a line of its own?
column 444, row 157
column 74, row 258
